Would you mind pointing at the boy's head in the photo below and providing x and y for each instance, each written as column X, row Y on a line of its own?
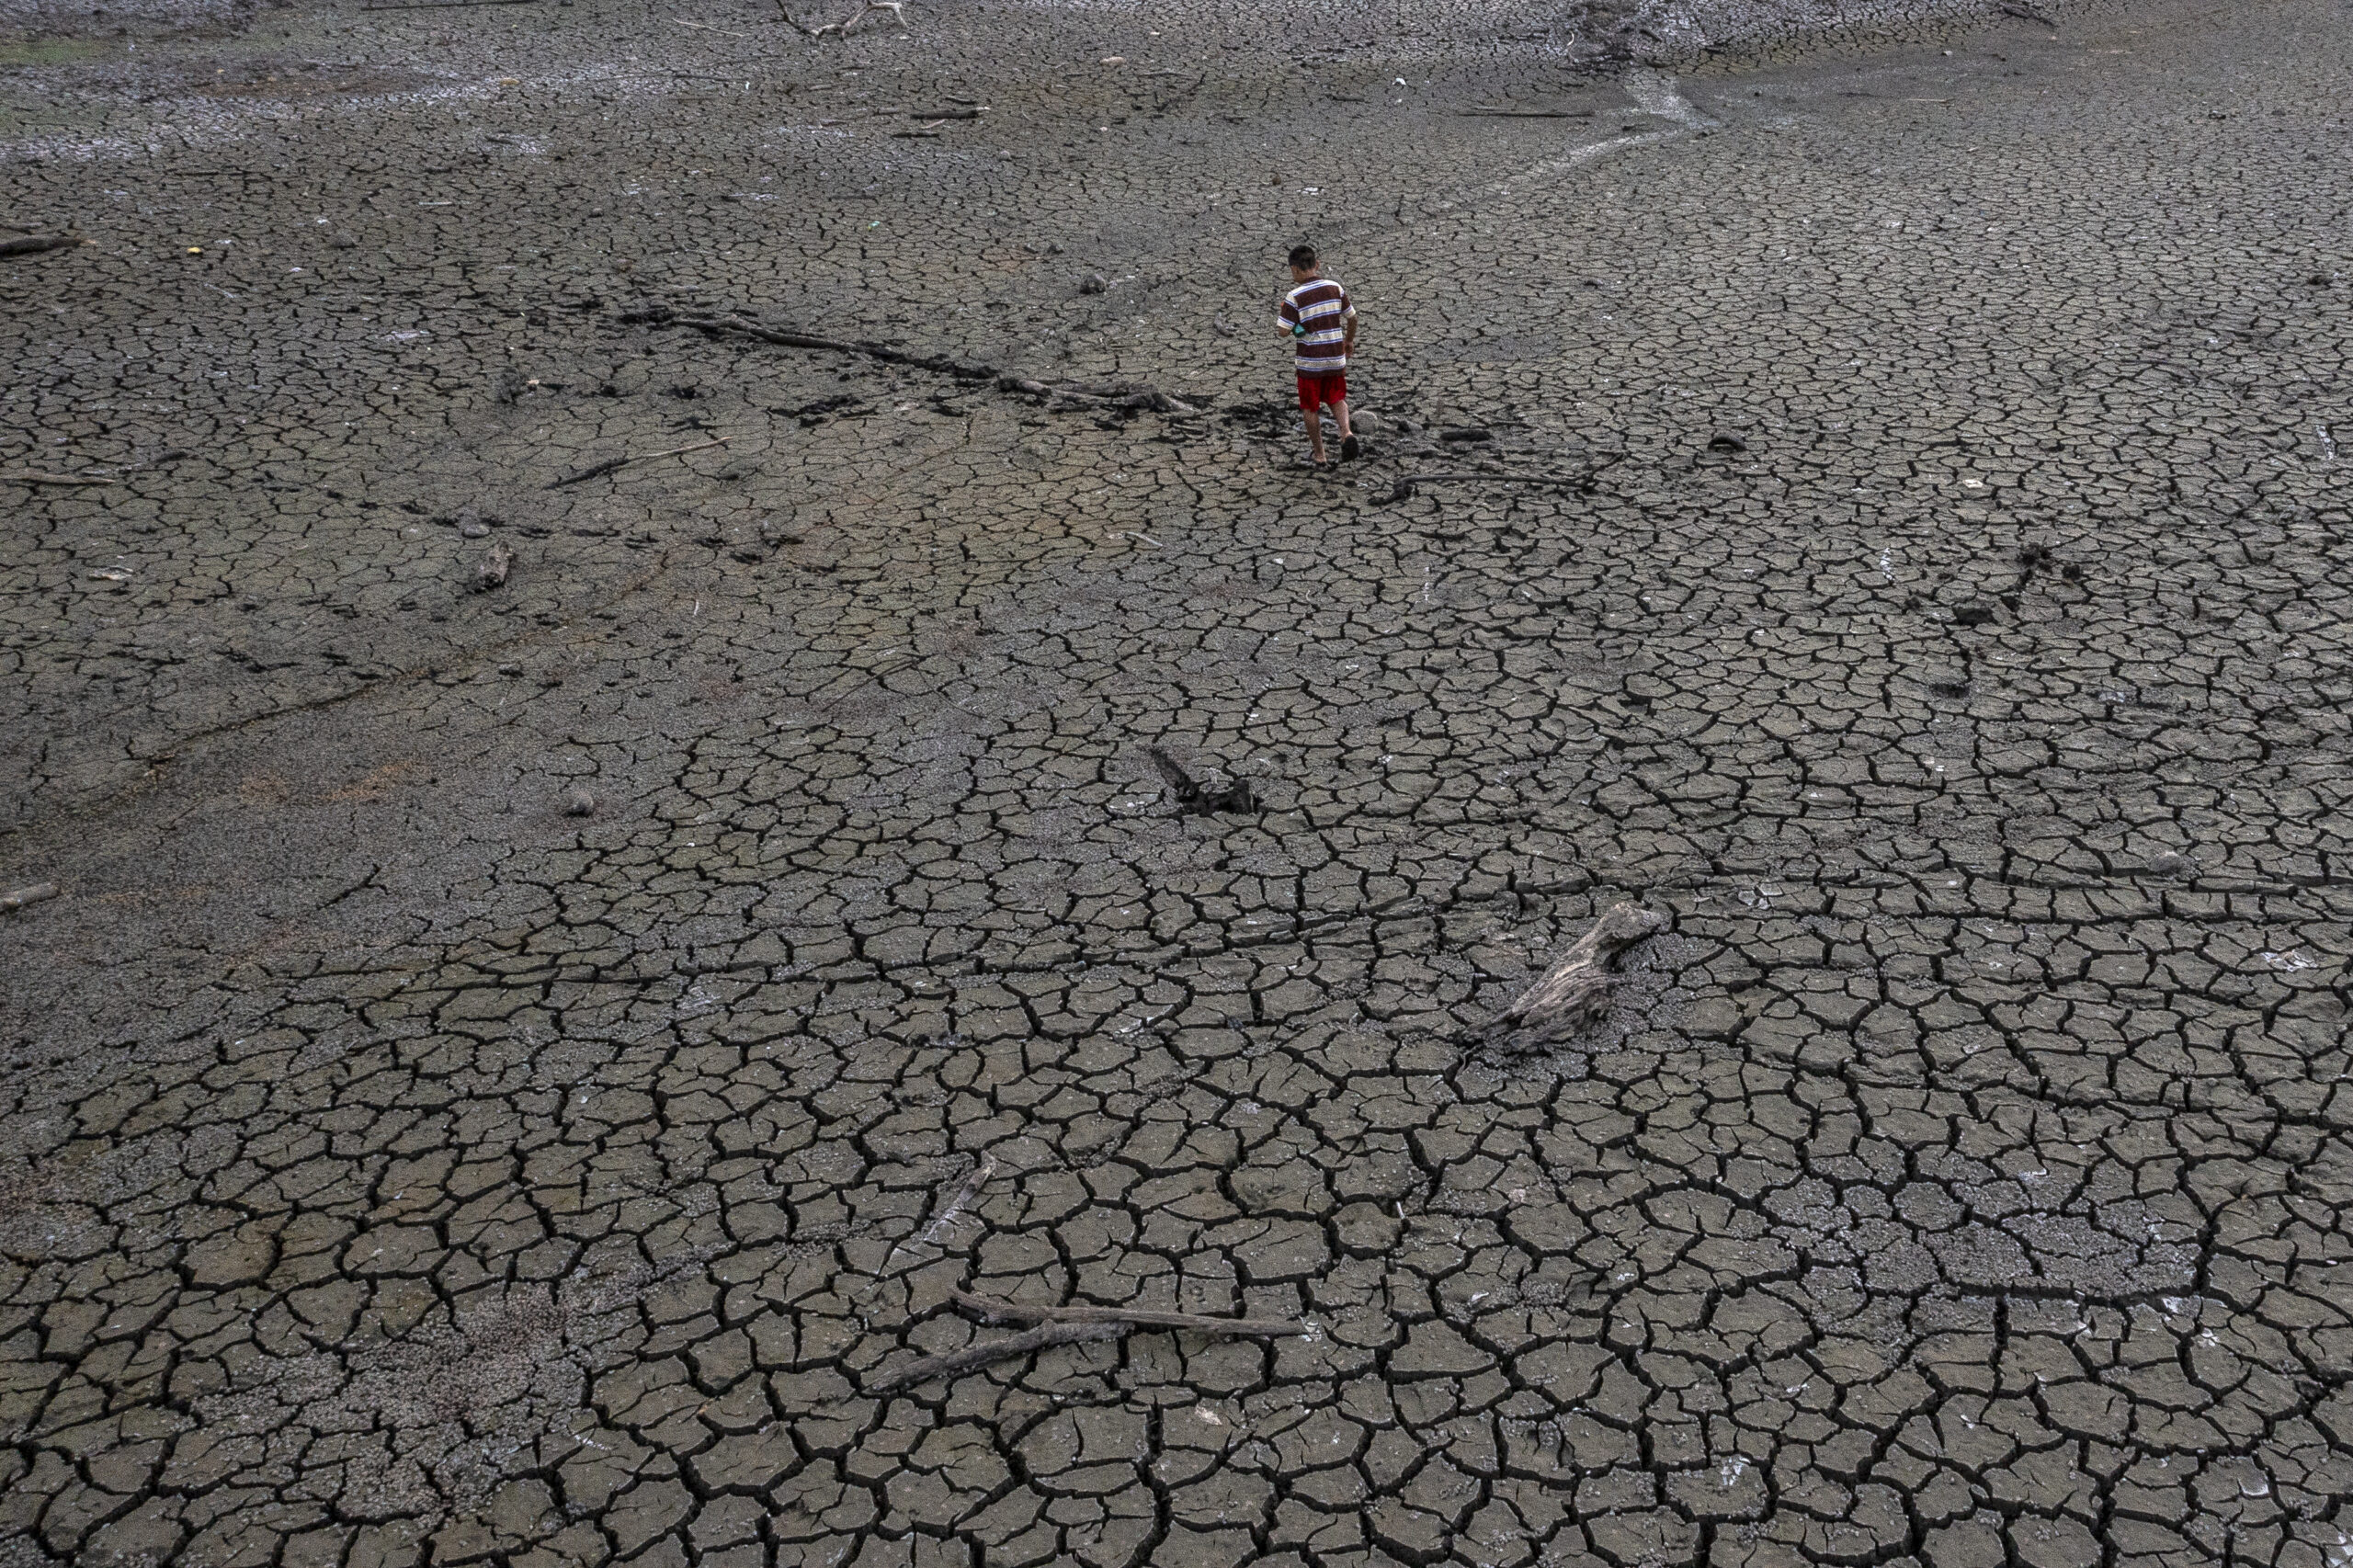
column 1302, row 263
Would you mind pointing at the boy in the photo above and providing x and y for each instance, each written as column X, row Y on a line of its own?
column 1322, row 323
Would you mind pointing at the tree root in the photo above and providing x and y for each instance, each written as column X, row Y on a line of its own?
column 1575, row 991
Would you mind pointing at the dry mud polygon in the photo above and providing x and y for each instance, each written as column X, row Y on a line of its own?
column 1943, row 624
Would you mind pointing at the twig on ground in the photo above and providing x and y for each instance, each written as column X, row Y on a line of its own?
column 439, row 4
column 37, row 478
column 1126, row 395
column 1504, row 111
column 972, row 1357
column 609, row 464
column 16, row 899
column 707, row 28
column 1015, row 1312
column 983, row 1168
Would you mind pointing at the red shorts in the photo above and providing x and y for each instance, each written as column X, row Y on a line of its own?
column 1317, row 392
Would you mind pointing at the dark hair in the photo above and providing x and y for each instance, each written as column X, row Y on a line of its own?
column 1303, row 256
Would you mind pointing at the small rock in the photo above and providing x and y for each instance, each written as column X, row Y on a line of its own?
column 343, row 240
column 492, row 570
column 1725, row 441
column 2172, row 863
column 1094, row 283
column 1972, row 615
column 1366, row 422
column 471, row 525
column 579, row 804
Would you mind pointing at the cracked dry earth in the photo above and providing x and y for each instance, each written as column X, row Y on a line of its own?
column 506, row 1073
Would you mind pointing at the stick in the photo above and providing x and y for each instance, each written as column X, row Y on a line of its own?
column 956, row 1363
column 609, row 464
column 1014, row 1312
column 1499, row 113
column 439, row 5
column 981, row 1170
column 1137, row 397
column 12, row 901
column 53, row 479
column 706, row 27
column 1504, row 478
column 34, row 244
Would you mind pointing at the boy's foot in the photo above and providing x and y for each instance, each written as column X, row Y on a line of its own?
column 1348, row 447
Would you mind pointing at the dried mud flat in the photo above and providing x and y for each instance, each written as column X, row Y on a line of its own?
column 561, row 969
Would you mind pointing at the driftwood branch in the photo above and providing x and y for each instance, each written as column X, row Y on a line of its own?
column 1014, row 1312
column 956, row 1363
column 16, row 899
column 944, row 1215
column 1132, row 395
column 609, row 464
column 1063, row 1325
column 1505, row 111
column 38, row 244
column 54, row 479
column 1573, row 991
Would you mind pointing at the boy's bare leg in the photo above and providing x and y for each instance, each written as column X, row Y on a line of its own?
column 1314, row 433
column 1340, row 412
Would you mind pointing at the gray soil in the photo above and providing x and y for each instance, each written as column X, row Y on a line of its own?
column 508, row 1069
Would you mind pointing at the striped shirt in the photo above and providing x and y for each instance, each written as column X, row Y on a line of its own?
column 1324, row 306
